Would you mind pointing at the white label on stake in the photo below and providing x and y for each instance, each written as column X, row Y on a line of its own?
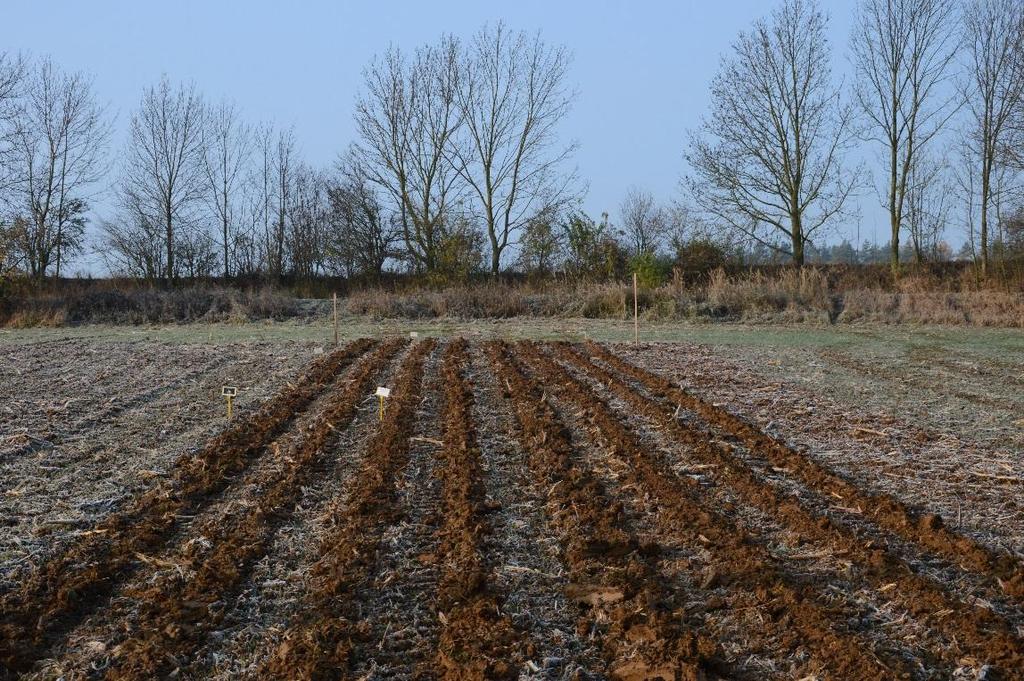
column 414, row 334
column 383, row 392
column 229, row 391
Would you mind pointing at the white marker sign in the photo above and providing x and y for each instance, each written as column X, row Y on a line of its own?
column 414, row 334
column 383, row 392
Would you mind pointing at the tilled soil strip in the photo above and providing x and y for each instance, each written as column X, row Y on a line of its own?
column 925, row 530
column 739, row 563
column 526, row 550
column 321, row 645
column 977, row 631
column 58, row 593
column 641, row 623
column 175, row 613
column 476, row 640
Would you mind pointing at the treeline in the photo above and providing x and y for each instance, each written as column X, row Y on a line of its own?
column 771, row 159
column 458, row 166
column 456, row 153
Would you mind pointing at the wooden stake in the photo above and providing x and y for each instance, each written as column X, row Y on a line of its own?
column 636, row 314
column 335, row 318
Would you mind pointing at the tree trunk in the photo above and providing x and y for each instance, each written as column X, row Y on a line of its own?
column 798, row 240
column 60, row 244
column 170, row 247
column 984, row 222
column 894, row 244
column 225, row 230
column 895, row 210
column 495, row 256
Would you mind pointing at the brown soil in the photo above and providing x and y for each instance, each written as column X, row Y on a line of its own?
column 322, row 644
column 53, row 595
column 537, row 510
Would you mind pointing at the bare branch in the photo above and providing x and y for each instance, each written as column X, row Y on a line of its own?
column 769, row 153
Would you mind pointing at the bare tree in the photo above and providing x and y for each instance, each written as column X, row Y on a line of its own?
column 12, row 71
column 902, row 52
column 284, row 166
column 928, row 206
column 770, row 151
column 994, row 87
column 308, row 221
column 643, row 221
column 274, row 179
column 227, row 155
column 406, row 119
column 164, row 177
column 362, row 233
column 131, row 244
column 512, row 96
column 59, row 143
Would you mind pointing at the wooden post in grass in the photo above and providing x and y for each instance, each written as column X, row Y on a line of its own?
column 636, row 314
column 335, row 318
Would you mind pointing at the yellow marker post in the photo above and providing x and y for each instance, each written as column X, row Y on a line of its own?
column 229, row 392
column 382, row 393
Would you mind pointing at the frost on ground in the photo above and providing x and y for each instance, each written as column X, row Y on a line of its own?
column 520, row 509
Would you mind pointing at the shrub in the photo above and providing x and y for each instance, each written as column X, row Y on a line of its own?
column 651, row 271
column 698, row 258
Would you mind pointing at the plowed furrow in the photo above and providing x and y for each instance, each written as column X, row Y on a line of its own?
column 529, row 571
column 925, row 530
column 177, row 609
column 976, row 631
column 637, row 618
column 398, row 635
column 61, row 591
column 476, row 641
column 741, row 564
column 321, row 644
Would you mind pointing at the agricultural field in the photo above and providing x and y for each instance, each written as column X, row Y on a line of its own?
column 781, row 504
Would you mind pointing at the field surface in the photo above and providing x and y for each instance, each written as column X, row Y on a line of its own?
column 728, row 502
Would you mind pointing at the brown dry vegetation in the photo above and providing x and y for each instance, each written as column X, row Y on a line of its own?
column 810, row 294
column 947, row 294
column 657, row 534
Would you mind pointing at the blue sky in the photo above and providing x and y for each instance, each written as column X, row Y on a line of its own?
column 642, row 69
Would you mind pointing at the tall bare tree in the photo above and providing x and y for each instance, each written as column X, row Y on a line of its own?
column 308, row 221
column 643, row 221
column 927, row 205
column 902, row 52
column 226, row 160
column 512, row 96
column 275, row 173
column 59, row 143
column 994, row 88
column 164, row 177
column 770, row 152
column 406, row 118
column 12, row 71
column 131, row 245
column 363, row 234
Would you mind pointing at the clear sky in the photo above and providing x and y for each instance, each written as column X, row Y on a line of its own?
column 642, row 69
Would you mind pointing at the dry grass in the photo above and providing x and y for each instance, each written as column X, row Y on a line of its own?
column 970, row 308
column 809, row 295
column 99, row 305
column 814, row 295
